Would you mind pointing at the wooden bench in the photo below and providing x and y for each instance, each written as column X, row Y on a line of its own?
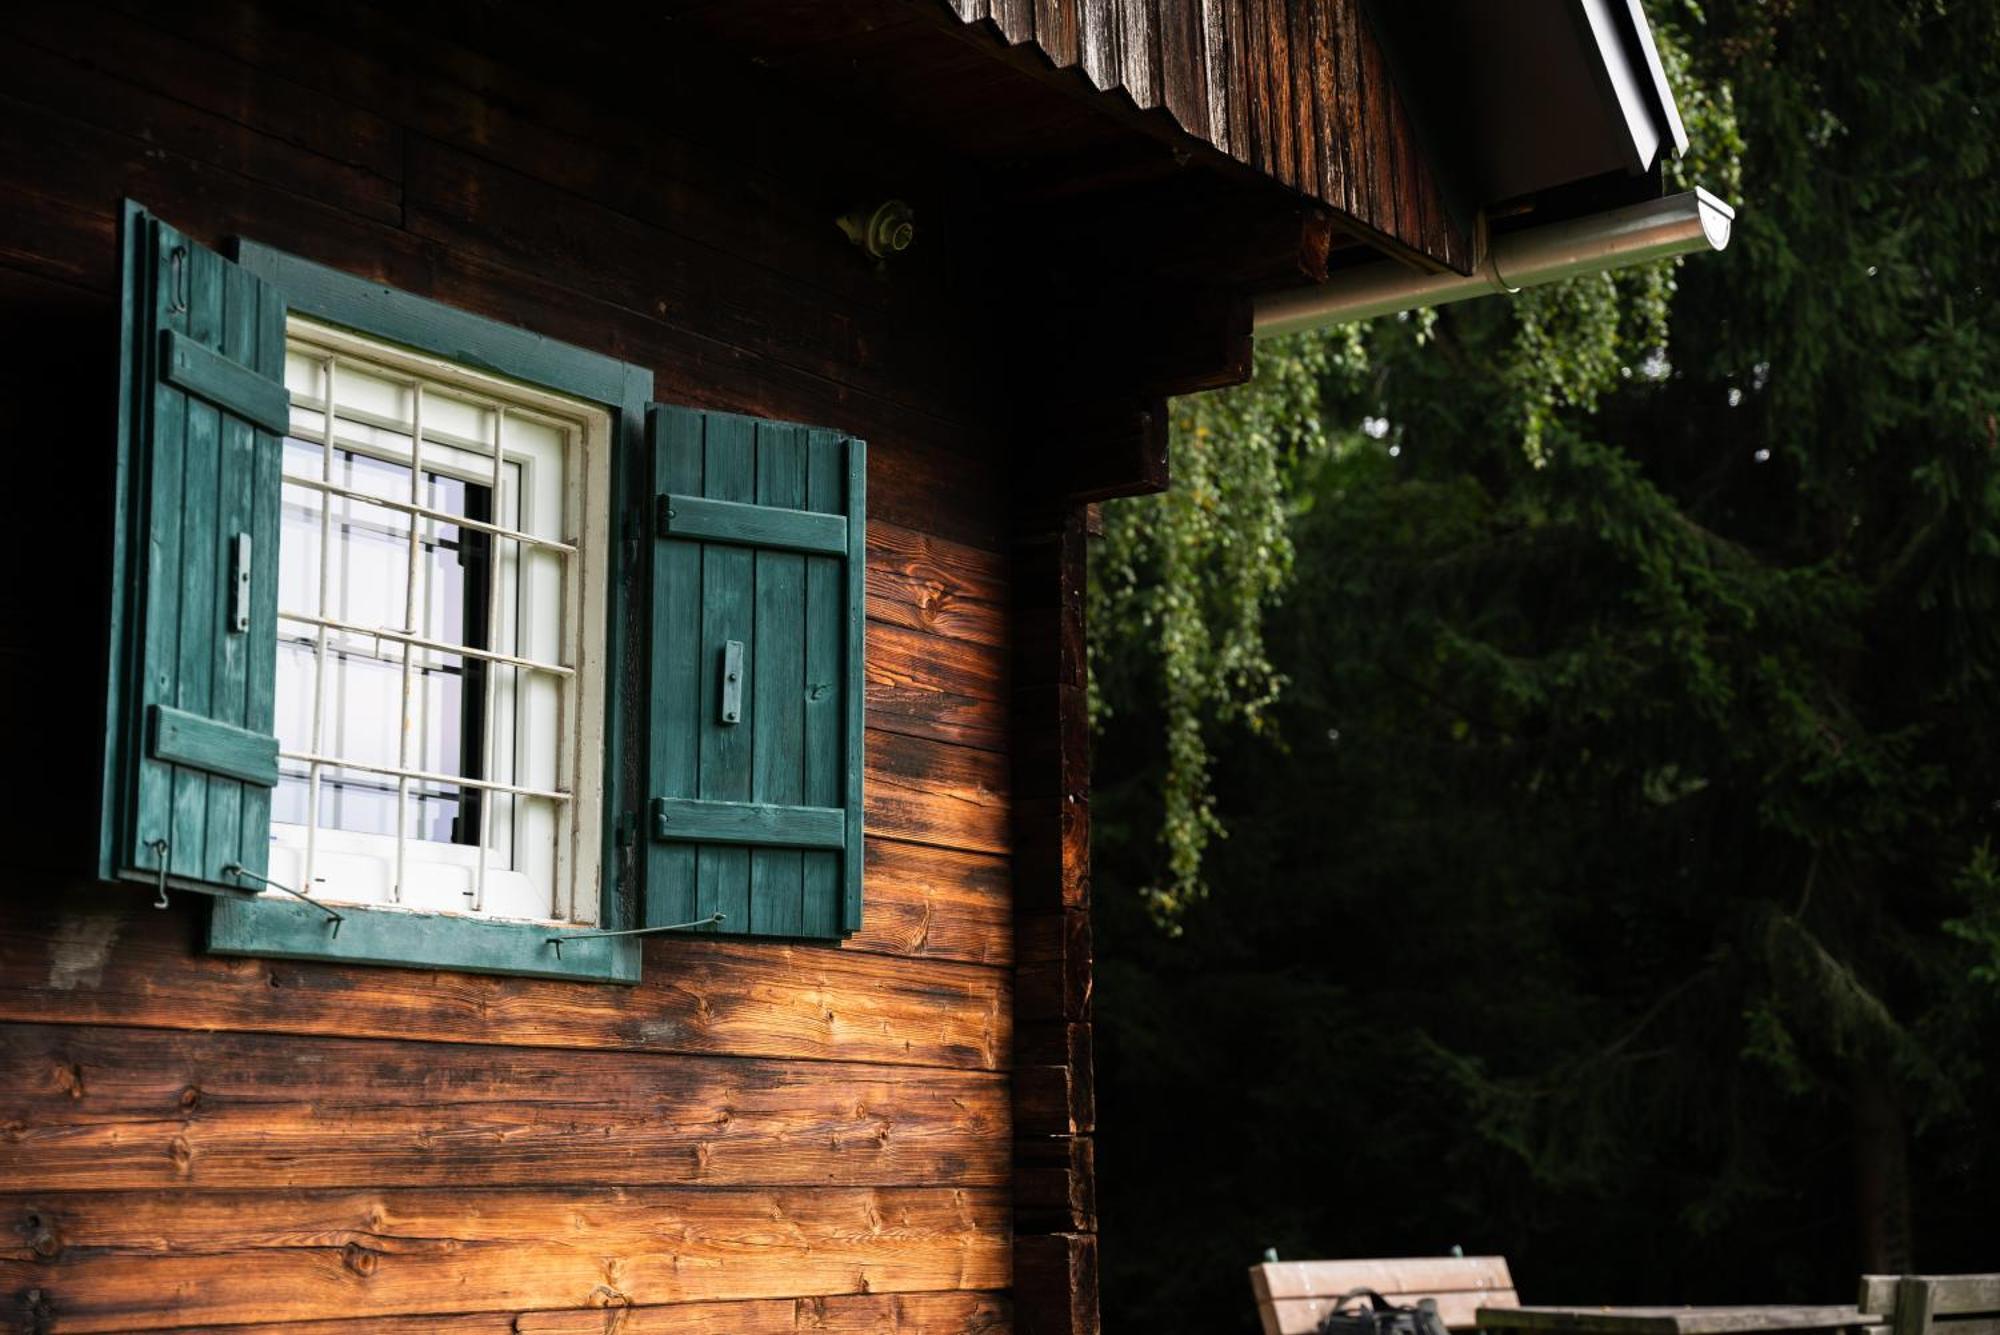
column 1292, row 1296
column 1934, row 1304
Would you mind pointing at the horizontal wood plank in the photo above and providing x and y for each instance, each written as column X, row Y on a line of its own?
column 1421, row 1275
column 927, row 685
column 1950, row 1294
column 46, row 74
column 91, row 1108
column 104, row 1261
column 929, row 583
column 767, row 824
column 933, row 792
column 224, row 382
column 955, row 1313
column 936, row 903
column 927, row 471
column 700, row 519
column 1746, row 1320
column 97, row 955
column 202, row 743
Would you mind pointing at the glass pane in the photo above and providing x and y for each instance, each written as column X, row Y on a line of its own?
column 361, row 705
column 370, row 575
column 304, row 455
column 291, row 798
column 356, row 800
column 363, row 697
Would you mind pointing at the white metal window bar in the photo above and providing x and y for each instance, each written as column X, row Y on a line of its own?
column 505, row 541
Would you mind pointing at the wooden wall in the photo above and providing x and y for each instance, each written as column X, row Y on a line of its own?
column 758, row 1137
column 1300, row 90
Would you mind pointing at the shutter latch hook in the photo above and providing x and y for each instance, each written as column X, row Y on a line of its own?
column 160, row 849
column 177, row 289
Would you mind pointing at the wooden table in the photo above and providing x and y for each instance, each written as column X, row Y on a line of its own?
column 1669, row 1320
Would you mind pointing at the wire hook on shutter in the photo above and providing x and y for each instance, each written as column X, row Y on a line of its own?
column 242, row 872
column 160, row 849
column 712, row 920
column 177, row 290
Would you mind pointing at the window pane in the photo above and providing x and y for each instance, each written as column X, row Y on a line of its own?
column 377, row 730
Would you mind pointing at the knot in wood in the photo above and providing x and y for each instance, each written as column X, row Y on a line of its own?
column 38, row 1314
column 190, row 1098
column 69, row 1079
column 359, row 1259
column 604, row 1295
column 39, row 1230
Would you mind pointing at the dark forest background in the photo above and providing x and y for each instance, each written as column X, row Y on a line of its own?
column 1547, row 782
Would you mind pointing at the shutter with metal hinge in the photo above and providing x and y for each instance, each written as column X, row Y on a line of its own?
column 754, row 760
column 191, row 756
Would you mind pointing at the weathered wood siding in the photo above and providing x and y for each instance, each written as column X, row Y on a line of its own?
column 1298, row 89
column 756, row 1138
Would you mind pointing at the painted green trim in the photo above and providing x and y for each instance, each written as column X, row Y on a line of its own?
column 857, row 642
column 749, row 525
column 425, row 325
column 625, row 606
column 192, row 477
column 201, row 743
column 135, row 250
column 445, row 331
column 228, row 384
column 287, row 929
column 762, row 824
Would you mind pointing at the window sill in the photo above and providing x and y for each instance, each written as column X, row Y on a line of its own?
column 285, row 929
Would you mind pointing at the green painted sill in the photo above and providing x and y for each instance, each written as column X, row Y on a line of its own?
column 286, row 929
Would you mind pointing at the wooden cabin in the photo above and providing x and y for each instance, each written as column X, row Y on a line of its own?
column 546, row 656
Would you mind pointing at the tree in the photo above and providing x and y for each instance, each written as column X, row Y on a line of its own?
column 1609, row 859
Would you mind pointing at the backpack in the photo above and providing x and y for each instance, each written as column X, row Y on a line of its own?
column 1379, row 1317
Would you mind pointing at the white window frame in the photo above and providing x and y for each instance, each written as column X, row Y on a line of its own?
column 584, row 550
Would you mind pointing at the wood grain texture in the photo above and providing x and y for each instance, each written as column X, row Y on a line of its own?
column 752, row 1119
column 100, row 957
column 924, row 582
column 1297, row 89
column 954, row 1313
column 1251, row 78
column 928, row 471
column 935, row 793
column 1420, row 1275
column 1949, row 1295
column 90, row 1108
column 1728, row 1320
column 1055, row 1243
column 930, row 686
column 936, row 903
column 105, row 1260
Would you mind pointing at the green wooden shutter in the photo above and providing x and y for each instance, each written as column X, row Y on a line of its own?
column 755, row 783
column 190, row 755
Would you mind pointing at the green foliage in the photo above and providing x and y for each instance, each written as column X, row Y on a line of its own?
column 1602, row 718
column 1192, row 574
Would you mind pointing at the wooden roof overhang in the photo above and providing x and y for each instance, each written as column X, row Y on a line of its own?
column 1114, row 181
column 1126, row 186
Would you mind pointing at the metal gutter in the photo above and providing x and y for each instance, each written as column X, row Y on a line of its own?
column 1595, row 243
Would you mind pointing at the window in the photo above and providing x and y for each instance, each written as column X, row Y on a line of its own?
column 439, row 688
column 434, row 643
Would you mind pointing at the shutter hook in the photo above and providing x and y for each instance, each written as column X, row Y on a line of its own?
column 712, row 920
column 160, row 849
column 243, row 873
column 177, row 291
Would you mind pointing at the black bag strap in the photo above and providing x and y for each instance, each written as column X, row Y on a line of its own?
column 1380, row 1303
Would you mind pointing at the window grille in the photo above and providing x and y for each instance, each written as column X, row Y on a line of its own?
column 475, row 746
